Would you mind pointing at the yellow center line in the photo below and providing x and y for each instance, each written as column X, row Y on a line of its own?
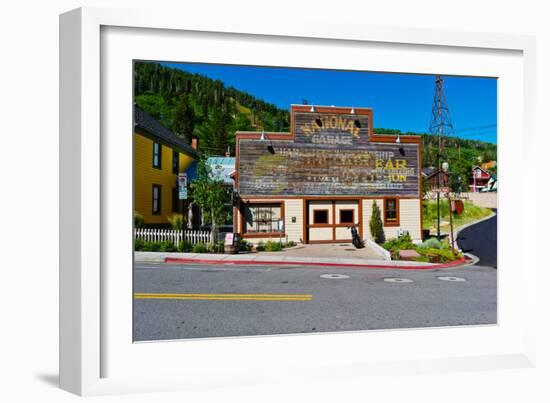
column 227, row 297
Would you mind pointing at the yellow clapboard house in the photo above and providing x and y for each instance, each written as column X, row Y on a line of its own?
column 159, row 155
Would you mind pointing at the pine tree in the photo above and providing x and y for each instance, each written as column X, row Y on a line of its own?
column 184, row 121
column 213, row 133
column 376, row 226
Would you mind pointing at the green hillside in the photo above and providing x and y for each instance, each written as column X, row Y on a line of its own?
column 195, row 105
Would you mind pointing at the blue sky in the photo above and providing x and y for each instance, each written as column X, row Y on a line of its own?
column 399, row 101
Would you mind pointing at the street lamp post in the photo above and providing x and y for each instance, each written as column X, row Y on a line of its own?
column 445, row 167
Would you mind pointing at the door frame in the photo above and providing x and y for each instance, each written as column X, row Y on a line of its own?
column 333, row 225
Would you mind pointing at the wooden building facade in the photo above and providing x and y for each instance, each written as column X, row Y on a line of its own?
column 323, row 177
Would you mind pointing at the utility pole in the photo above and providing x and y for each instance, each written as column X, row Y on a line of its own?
column 440, row 126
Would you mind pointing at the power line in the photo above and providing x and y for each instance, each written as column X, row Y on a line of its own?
column 465, row 129
column 480, row 134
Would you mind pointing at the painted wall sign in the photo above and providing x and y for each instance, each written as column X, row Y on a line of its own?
column 331, row 128
column 302, row 169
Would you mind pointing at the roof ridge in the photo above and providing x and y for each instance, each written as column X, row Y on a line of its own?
column 152, row 126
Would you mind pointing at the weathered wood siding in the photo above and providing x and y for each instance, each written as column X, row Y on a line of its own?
column 334, row 129
column 312, row 169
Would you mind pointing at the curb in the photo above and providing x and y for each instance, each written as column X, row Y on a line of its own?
column 386, row 255
column 455, row 263
column 474, row 259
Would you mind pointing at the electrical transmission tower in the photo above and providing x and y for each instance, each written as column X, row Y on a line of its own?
column 440, row 126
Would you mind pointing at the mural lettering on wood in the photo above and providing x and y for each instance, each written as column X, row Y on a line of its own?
column 332, row 129
column 307, row 169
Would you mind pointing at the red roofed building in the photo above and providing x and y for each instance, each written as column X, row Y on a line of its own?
column 479, row 179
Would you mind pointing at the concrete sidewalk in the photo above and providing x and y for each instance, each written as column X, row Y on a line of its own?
column 328, row 250
column 282, row 259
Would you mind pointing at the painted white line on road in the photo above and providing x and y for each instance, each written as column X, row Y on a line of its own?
column 448, row 278
column 398, row 280
column 334, row 276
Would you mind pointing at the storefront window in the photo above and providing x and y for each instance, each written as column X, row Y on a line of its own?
column 262, row 218
column 391, row 214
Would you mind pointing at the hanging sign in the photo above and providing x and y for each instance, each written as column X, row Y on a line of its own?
column 333, row 129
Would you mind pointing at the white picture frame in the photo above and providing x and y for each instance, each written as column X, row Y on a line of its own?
column 97, row 355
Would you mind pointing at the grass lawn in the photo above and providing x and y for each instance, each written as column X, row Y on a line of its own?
column 429, row 215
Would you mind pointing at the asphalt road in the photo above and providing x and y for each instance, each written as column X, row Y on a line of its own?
column 481, row 240
column 196, row 301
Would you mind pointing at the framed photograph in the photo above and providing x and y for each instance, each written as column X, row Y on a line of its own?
column 255, row 194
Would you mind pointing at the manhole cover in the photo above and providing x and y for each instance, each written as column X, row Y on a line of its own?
column 398, row 280
column 334, row 276
column 451, row 278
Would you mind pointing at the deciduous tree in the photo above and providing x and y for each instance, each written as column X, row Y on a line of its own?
column 210, row 195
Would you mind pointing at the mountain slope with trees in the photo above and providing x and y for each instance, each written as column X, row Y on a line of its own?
column 194, row 105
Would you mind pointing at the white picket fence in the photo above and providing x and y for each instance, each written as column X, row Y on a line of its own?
column 157, row 235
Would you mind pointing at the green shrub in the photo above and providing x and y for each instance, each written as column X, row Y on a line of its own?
column 177, row 221
column 138, row 220
column 200, row 248
column 185, row 246
column 431, row 243
column 289, row 244
column 376, row 226
column 399, row 243
column 260, row 247
column 152, row 246
column 272, row 246
column 439, row 255
column 167, row 246
column 138, row 244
